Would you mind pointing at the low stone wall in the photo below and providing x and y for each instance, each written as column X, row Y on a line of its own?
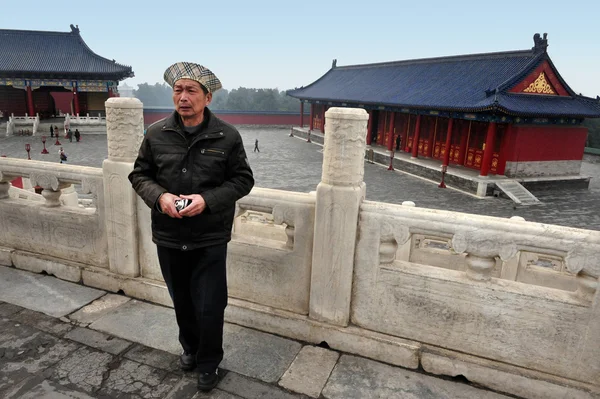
column 510, row 282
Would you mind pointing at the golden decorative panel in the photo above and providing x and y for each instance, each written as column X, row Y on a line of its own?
column 540, row 86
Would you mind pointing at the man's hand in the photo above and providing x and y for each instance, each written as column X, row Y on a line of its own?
column 196, row 207
column 167, row 205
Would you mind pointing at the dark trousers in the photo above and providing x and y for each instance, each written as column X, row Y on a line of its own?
column 197, row 283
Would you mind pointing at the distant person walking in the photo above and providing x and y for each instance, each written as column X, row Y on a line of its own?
column 398, row 139
column 256, row 145
column 70, row 135
column 77, row 135
column 56, row 131
column 51, row 131
column 62, row 155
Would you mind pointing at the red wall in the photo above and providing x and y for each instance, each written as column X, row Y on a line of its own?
column 237, row 118
column 62, row 101
column 544, row 143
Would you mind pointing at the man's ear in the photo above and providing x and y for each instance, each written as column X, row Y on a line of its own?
column 209, row 98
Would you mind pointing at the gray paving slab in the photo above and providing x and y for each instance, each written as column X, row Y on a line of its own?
column 82, row 370
column 257, row 354
column 25, row 351
column 44, row 294
column 154, row 357
column 159, row 325
column 98, row 340
column 185, row 388
column 216, row 394
column 43, row 322
column 8, row 309
column 39, row 388
column 310, row 371
column 95, row 310
column 359, row 378
column 131, row 379
column 248, row 388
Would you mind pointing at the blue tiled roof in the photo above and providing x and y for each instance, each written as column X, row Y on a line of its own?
column 24, row 53
column 469, row 83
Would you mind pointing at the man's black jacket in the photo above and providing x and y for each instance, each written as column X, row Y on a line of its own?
column 213, row 164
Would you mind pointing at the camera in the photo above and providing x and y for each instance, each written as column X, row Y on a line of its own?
column 180, row 204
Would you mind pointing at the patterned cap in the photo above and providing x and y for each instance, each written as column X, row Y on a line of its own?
column 189, row 70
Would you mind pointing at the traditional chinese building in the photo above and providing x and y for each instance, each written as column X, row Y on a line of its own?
column 506, row 113
column 53, row 73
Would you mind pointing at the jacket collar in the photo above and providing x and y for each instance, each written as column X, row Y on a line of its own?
column 173, row 122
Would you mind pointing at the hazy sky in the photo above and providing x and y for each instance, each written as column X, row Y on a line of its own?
column 284, row 44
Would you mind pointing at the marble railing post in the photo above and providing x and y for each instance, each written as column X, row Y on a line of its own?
column 338, row 199
column 125, row 131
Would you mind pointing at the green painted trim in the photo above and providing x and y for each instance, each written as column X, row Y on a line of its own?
column 590, row 150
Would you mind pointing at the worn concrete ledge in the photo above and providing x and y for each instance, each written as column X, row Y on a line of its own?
column 135, row 287
column 503, row 377
column 377, row 346
column 315, row 137
column 37, row 263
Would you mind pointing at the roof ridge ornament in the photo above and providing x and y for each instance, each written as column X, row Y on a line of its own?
column 540, row 45
column 75, row 29
column 334, row 63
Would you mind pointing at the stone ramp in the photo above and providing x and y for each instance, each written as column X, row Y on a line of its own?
column 117, row 347
column 516, row 192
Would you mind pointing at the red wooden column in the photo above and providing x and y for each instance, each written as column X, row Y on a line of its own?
column 391, row 133
column 110, row 93
column 489, row 149
column 369, row 127
column 75, row 101
column 415, row 147
column 301, row 114
column 448, row 141
column 433, row 138
column 30, row 108
column 311, row 122
column 404, row 143
column 464, row 144
column 323, row 119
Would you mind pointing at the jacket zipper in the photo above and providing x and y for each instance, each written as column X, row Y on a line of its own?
column 211, row 150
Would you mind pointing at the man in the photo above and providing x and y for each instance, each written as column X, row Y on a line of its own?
column 256, row 145
column 193, row 155
column 62, row 155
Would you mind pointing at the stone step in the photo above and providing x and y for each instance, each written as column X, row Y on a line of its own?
column 516, row 192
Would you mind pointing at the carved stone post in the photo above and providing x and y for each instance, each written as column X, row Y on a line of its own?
column 339, row 195
column 125, row 131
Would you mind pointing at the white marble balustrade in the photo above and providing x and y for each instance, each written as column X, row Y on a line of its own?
column 510, row 304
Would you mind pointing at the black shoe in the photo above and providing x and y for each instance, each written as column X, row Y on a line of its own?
column 207, row 381
column 187, row 361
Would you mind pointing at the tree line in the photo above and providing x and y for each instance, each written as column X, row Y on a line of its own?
column 593, row 139
column 241, row 99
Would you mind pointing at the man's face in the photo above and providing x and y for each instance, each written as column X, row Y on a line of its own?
column 189, row 98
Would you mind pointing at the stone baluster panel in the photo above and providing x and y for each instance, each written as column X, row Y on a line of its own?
column 4, row 185
column 51, row 187
column 338, row 199
column 125, row 132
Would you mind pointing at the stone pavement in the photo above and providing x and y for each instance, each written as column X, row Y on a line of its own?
column 63, row 340
column 288, row 163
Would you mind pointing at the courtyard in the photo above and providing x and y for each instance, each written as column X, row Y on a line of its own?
column 288, row 163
